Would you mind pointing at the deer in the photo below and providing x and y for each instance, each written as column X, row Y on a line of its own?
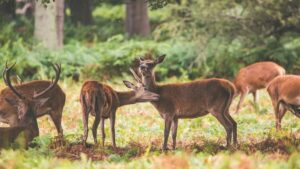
column 35, row 96
column 285, row 96
column 254, row 77
column 25, row 107
column 189, row 100
column 102, row 101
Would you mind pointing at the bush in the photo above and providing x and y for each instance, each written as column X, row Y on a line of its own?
column 103, row 60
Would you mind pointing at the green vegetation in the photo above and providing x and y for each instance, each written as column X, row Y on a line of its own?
column 201, row 38
column 198, row 43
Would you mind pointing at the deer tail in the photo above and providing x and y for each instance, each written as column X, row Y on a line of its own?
column 84, row 103
column 231, row 92
column 95, row 102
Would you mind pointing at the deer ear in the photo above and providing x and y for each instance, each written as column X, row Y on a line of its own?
column 12, row 102
column 160, row 59
column 128, row 84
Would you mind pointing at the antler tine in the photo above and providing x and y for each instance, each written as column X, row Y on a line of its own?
column 8, row 82
column 57, row 68
column 136, row 77
column 20, row 79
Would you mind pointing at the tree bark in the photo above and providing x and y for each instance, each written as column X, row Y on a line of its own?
column 137, row 20
column 81, row 11
column 49, row 23
column 60, row 12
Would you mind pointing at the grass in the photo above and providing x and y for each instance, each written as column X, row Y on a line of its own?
column 139, row 135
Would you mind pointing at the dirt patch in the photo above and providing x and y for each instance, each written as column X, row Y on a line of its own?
column 73, row 151
column 282, row 147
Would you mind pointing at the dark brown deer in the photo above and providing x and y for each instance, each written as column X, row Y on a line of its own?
column 34, row 95
column 190, row 100
column 102, row 101
column 26, row 108
column 29, row 128
column 254, row 77
column 285, row 95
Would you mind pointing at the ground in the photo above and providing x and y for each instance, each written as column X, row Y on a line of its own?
column 139, row 135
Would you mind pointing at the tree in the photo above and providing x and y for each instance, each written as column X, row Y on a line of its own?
column 7, row 9
column 49, row 21
column 137, row 21
column 81, row 11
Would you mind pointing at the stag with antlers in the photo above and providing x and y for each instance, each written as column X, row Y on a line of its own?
column 189, row 100
column 32, row 97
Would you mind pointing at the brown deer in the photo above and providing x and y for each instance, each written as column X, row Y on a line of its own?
column 190, row 100
column 9, row 135
column 285, row 95
column 102, row 101
column 26, row 108
column 34, row 95
column 254, row 77
column 28, row 126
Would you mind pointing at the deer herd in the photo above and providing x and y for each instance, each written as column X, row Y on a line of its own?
column 22, row 104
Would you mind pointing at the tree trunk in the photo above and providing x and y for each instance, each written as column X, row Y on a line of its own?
column 81, row 11
column 137, row 21
column 60, row 12
column 49, row 23
column 7, row 9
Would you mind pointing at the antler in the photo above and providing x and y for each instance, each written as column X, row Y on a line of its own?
column 136, row 77
column 7, row 81
column 57, row 68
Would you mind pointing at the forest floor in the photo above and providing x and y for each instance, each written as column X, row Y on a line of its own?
column 139, row 135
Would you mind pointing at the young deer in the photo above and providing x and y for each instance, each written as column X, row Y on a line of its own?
column 37, row 91
column 190, row 100
column 285, row 95
column 26, row 109
column 254, row 77
column 102, row 101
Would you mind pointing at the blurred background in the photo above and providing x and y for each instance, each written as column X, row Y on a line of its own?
column 99, row 39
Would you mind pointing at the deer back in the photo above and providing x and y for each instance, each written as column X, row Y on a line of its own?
column 285, row 88
column 97, row 97
column 187, row 99
column 257, row 75
column 56, row 99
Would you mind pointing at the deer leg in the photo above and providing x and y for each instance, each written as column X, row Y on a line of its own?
column 279, row 113
column 226, row 124
column 85, row 117
column 168, row 123
column 174, row 131
column 56, row 118
column 234, row 125
column 112, row 127
column 31, row 132
column 254, row 93
column 102, row 131
column 242, row 98
column 95, row 126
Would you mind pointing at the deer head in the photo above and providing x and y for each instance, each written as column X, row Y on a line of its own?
column 27, row 106
column 141, row 94
column 146, row 66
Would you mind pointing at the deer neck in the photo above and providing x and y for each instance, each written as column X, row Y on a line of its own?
column 149, row 82
column 126, row 98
